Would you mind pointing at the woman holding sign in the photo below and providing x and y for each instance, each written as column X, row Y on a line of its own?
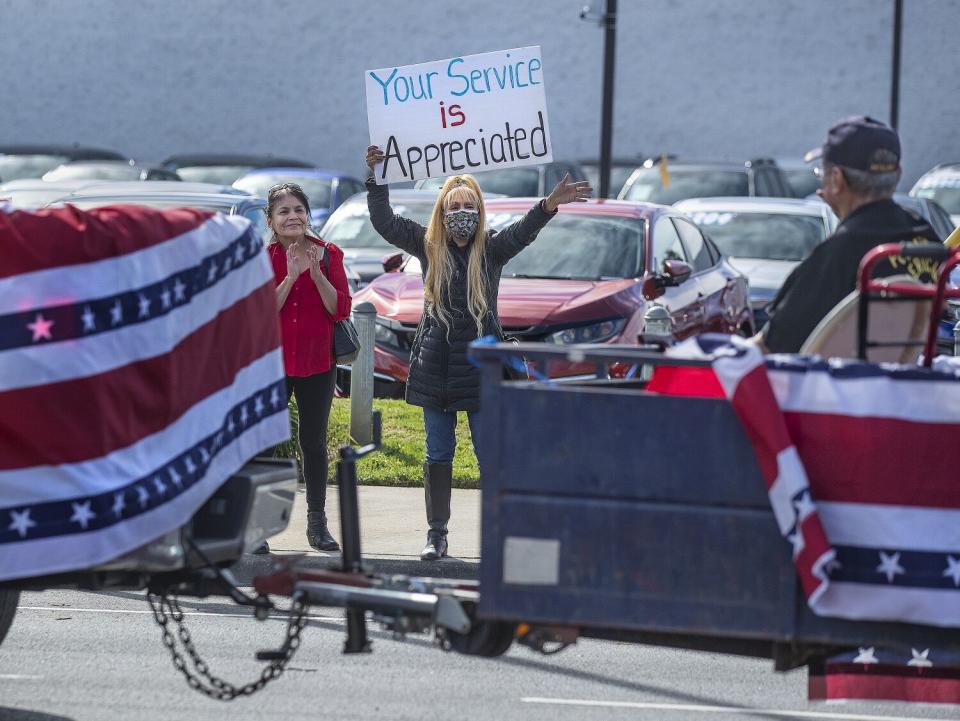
column 461, row 261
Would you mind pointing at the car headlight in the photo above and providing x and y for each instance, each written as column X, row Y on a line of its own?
column 593, row 333
column 384, row 336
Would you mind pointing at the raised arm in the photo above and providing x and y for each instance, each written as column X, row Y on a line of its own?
column 404, row 233
column 517, row 236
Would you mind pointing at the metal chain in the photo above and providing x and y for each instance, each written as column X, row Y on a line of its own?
column 166, row 609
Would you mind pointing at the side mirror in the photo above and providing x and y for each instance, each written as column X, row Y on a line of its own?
column 652, row 288
column 676, row 271
column 392, row 262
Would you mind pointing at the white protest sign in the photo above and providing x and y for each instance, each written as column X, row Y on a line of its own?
column 462, row 115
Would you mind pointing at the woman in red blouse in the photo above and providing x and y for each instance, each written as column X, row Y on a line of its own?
column 310, row 301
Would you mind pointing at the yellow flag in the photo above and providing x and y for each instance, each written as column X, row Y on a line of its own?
column 664, row 172
column 953, row 240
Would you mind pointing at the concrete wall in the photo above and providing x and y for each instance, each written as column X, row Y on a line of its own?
column 699, row 78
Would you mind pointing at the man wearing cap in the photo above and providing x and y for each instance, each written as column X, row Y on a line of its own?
column 859, row 171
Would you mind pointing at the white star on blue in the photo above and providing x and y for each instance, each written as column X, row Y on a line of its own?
column 143, row 496
column 82, row 514
column 118, row 504
column 953, row 570
column 89, row 320
column 165, row 298
column 144, row 303
column 116, row 313
column 890, row 565
column 21, row 522
column 179, row 291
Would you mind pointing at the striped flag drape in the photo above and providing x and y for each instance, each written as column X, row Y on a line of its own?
column 140, row 366
column 861, row 464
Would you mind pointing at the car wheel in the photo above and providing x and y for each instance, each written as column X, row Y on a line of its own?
column 8, row 607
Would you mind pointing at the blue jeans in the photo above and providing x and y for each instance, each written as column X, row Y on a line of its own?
column 441, row 429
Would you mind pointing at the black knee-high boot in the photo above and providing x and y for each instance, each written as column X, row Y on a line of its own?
column 437, row 481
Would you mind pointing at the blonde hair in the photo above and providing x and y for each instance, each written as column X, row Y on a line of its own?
column 436, row 282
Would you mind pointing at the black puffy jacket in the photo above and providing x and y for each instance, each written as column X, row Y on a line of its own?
column 441, row 375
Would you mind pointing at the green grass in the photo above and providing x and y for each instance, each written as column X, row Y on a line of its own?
column 399, row 462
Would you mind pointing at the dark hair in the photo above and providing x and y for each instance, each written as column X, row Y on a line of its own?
column 278, row 190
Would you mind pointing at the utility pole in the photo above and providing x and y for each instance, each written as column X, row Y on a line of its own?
column 895, row 75
column 609, row 23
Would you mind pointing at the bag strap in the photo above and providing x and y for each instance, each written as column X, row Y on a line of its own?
column 326, row 262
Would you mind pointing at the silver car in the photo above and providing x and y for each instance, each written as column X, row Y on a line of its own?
column 763, row 238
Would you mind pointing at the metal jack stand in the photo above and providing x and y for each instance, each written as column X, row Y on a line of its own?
column 357, row 641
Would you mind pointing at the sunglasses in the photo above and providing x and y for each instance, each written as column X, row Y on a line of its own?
column 284, row 186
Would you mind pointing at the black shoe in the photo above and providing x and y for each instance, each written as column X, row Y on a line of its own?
column 318, row 535
column 261, row 550
column 436, row 547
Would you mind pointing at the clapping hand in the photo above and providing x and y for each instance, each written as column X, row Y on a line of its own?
column 294, row 265
column 314, row 258
column 567, row 192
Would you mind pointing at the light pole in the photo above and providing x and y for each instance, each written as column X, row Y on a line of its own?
column 608, row 20
column 895, row 79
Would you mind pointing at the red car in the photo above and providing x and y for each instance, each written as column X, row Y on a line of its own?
column 588, row 278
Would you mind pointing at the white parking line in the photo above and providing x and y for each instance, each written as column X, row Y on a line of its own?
column 786, row 713
column 18, row 677
column 68, row 609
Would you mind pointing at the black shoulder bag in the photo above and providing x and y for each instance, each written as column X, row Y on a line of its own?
column 346, row 342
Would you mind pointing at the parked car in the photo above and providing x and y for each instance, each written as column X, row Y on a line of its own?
column 654, row 182
column 33, row 193
column 526, row 181
column 589, row 277
column 108, row 170
column 224, row 169
column 173, row 194
column 763, row 238
column 620, row 170
column 165, row 194
column 326, row 189
column 32, row 161
column 930, row 210
column 803, row 181
column 942, row 184
column 364, row 249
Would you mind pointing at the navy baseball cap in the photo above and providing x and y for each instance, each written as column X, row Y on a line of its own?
column 861, row 143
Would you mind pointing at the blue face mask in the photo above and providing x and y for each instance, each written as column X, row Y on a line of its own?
column 462, row 223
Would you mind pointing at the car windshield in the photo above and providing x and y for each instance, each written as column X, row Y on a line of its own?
column 318, row 190
column 121, row 171
column 577, row 245
column 14, row 167
column 685, row 183
column 771, row 236
column 802, row 181
column 516, row 182
column 946, row 193
column 217, row 174
column 350, row 226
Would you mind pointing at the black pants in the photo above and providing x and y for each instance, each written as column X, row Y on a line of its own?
column 314, row 396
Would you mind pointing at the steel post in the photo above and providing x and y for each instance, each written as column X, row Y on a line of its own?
column 361, row 376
